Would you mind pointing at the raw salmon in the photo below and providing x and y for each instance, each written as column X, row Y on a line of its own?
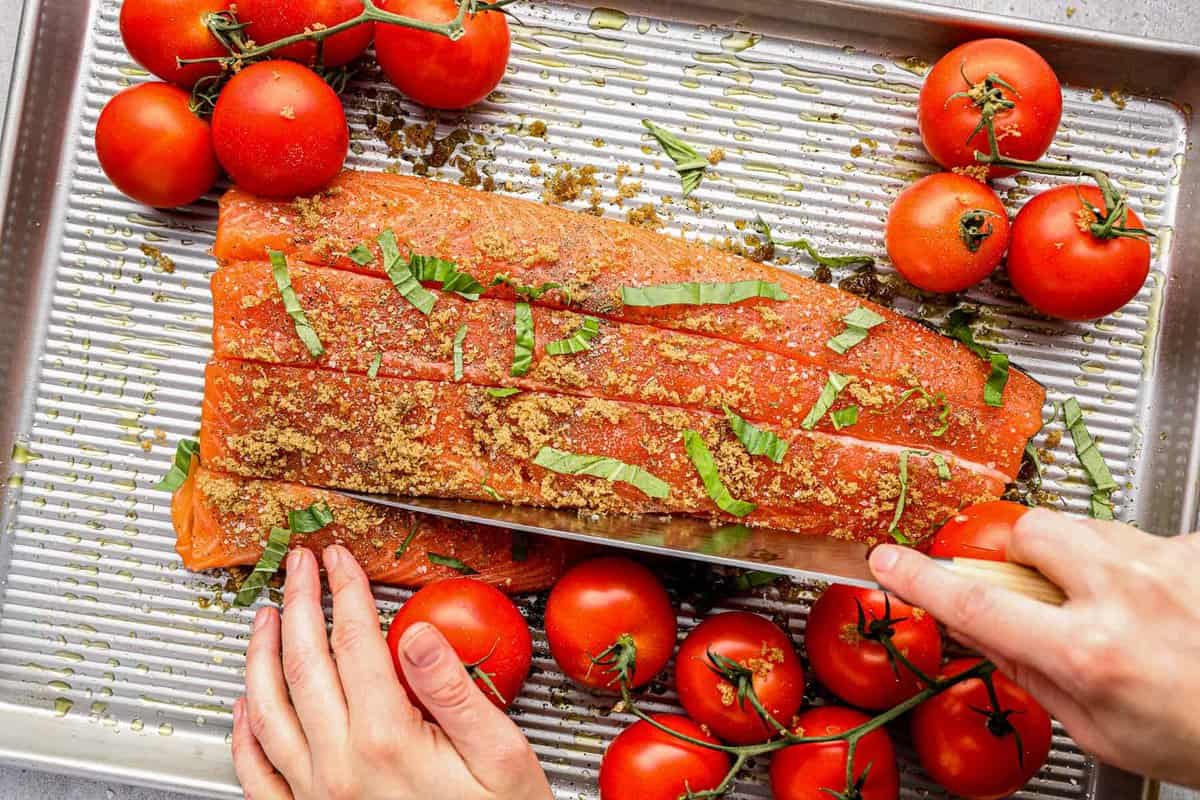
column 489, row 234
column 223, row 520
column 448, row 439
column 361, row 319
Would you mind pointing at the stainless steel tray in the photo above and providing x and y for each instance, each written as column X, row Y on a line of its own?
column 117, row 663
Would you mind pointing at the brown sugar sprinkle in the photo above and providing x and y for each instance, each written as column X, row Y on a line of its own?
column 762, row 664
column 1119, row 99
column 288, row 112
column 645, row 216
column 716, row 156
column 160, row 259
column 537, row 128
column 567, row 183
column 728, row 695
column 849, row 633
column 977, row 171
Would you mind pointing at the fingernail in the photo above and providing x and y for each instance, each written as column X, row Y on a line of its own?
column 420, row 645
column 332, row 556
column 295, row 559
column 260, row 619
column 884, row 557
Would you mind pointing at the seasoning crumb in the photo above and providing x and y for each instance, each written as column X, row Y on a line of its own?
column 1118, row 98
column 568, row 183
column 716, row 155
column 1071, row 11
column 537, row 128
column 161, row 259
column 977, row 171
column 644, row 217
column 1097, row 95
column 288, row 112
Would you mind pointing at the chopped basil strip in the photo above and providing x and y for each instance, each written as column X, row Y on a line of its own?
column 706, row 468
column 609, row 469
column 459, row 337
column 932, row 399
column 402, row 277
column 858, row 325
column 688, row 163
column 507, row 391
column 530, row 293
column 578, row 342
column 291, row 304
column 520, row 546
column 1090, row 457
column 844, row 417
column 308, row 520
column 825, row 401
column 830, row 262
column 943, row 473
column 958, row 327
column 899, row 537
column 361, row 255
column 754, row 579
column 523, row 349
column 452, row 563
column 492, row 493
column 700, row 294
column 1039, row 470
column 431, row 269
column 185, row 451
column 376, row 362
column 757, row 441
column 412, row 532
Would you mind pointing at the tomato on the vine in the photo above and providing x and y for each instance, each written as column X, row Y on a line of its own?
column 597, row 609
column 435, row 71
column 989, row 77
column 1059, row 264
column 153, row 148
column 746, row 647
column 946, row 232
column 645, row 763
column 269, row 20
column 157, row 32
column 482, row 625
column 280, row 131
column 817, row 771
column 980, row 531
column 973, row 751
column 846, row 656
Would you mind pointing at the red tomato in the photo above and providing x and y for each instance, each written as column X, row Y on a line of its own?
column 156, row 32
column 280, row 131
column 755, row 644
column 815, row 771
column 854, row 667
column 597, row 603
column 980, row 531
column 1024, row 131
column 482, row 625
column 1064, row 270
column 269, row 20
column 154, row 149
column 946, row 232
column 644, row 763
column 435, row 71
column 959, row 748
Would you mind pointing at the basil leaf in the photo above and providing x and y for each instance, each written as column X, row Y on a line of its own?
column 825, row 401
column 492, row 493
column 401, row 275
column 688, row 163
column 412, row 533
column 943, row 473
column 452, row 563
column 858, row 324
column 291, row 304
column 376, row 362
column 1092, row 460
column 700, row 294
column 1101, row 505
column 308, row 520
column 757, row 441
column 933, row 399
column 754, row 579
column 609, row 469
column 185, row 451
column 706, row 468
column 311, row 519
column 578, row 342
column 958, row 327
column 459, row 337
column 431, row 269
column 520, row 546
column 523, row 349
column 361, row 255
column 530, row 293
column 844, row 417
column 507, row 391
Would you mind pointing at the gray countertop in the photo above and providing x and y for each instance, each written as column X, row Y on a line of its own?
column 1163, row 19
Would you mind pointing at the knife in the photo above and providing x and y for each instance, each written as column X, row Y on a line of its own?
column 820, row 558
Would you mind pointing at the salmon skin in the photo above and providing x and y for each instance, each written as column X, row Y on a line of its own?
column 360, row 319
column 489, row 235
column 223, row 520
column 447, row 439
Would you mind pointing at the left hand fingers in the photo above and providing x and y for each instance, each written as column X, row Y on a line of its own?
column 255, row 772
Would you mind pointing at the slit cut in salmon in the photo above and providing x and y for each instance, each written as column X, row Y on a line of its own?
column 360, row 319
column 446, row 439
column 223, row 520
column 488, row 235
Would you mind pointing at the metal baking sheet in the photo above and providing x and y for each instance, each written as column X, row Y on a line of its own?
column 117, row 663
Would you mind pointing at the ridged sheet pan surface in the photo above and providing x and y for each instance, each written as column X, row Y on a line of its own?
column 106, row 639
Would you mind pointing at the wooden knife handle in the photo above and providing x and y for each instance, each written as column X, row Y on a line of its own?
column 1015, row 577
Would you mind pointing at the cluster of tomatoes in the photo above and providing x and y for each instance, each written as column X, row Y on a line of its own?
column 278, row 128
column 1075, row 252
column 611, row 626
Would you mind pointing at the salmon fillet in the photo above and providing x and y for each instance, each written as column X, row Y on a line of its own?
column 447, row 439
column 223, row 520
column 489, row 234
column 360, row 318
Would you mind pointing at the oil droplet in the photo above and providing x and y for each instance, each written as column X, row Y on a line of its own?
column 62, row 706
column 99, row 708
column 61, row 686
column 608, row 19
column 166, row 729
column 23, row 455
column 15, row 481
column 738, row 41
column 136, row 724
column 643, row 25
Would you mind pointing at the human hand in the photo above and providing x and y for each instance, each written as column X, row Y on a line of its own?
column 320, row 726
column 1117, row 665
